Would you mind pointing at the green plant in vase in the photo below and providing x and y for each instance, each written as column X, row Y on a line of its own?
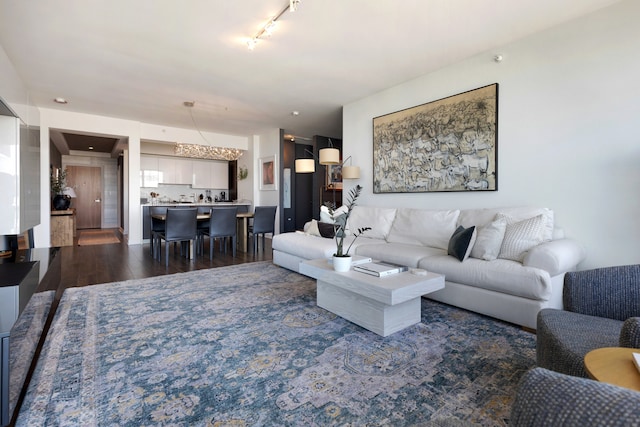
column 340, row 225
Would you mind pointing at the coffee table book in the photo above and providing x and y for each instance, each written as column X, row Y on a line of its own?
column 380, row 269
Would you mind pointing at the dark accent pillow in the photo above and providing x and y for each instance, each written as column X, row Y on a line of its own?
column 326, row 230
column 461, row 242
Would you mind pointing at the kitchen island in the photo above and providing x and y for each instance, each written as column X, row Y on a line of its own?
column 243, row 207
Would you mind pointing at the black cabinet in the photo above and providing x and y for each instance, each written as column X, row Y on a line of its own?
column 25, row 305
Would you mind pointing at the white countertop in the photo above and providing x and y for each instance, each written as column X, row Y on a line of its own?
column 198, row 204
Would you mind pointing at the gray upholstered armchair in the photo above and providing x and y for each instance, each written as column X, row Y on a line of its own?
column 601, row 309
column 547, row 398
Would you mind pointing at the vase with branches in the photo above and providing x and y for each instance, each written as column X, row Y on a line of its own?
column 58, row 181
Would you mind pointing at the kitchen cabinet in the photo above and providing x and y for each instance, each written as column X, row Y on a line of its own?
column 201, row 174
column 184, row 171
column 206, row 174
column 220, row 175
column 210, row 174
column 175, row 171
column 149, row 171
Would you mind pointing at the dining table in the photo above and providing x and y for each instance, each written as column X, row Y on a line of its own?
column 242, row 227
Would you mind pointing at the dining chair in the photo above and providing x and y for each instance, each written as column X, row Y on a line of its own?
column 181, row 226
column 222, row 224
column 264, row 218
column 156, row 225
column 203, row 224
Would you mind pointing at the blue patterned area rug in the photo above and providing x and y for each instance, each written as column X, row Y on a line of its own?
column 246, row 345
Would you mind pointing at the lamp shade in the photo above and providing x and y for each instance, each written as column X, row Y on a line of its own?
column 68, row 191
column 305, row 165
column 329, row 156
column 350, row 172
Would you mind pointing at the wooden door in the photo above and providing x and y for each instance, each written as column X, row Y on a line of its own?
column 87, row 183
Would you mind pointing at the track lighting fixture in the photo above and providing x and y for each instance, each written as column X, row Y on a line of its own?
column 267, row 30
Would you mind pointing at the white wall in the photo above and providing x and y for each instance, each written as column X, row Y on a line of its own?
column 246, row 186
column 569, row 105
column 267, row 144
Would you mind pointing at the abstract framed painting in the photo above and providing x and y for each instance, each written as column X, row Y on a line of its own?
column 450, row 144
column 268, row 176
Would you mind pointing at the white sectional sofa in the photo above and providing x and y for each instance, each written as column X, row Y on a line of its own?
column 513, row 266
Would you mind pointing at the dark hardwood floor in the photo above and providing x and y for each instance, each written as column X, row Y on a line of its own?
column 89, row 265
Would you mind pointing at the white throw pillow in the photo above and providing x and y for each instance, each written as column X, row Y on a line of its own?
column 521, row 236
column 481, row 217
column 311, row 228
column 432, row 228
column 379, row 219
column 489, row 240
column 327, row 218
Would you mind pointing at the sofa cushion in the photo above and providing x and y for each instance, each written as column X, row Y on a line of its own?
column 480, row 217
column 461, row 242
column 489, row 240
column 312, row 247
column 521, row 236
column 311, row 228
column 398, row 253
column 379, row 219
column 501, row 275
column 424, row 227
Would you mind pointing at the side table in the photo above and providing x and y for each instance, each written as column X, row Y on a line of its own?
column 613, row 365
column 63, row 227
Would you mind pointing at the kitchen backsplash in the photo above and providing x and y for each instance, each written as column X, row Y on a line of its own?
column 175, row 192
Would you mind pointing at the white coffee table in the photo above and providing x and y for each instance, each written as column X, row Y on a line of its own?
column 383, row 305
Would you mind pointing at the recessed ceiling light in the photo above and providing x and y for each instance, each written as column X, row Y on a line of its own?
column 295, row 113
column 60, row 100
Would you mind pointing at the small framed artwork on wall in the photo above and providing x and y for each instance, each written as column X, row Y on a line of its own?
column 334, row 176
column 268, row 174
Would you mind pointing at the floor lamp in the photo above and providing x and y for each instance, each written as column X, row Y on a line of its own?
column 328, row 156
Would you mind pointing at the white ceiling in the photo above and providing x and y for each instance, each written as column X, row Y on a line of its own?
column 141, row 59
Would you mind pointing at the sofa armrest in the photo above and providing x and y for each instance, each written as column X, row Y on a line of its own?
column 547, row 398
column 555, row 256
column 630, row 333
